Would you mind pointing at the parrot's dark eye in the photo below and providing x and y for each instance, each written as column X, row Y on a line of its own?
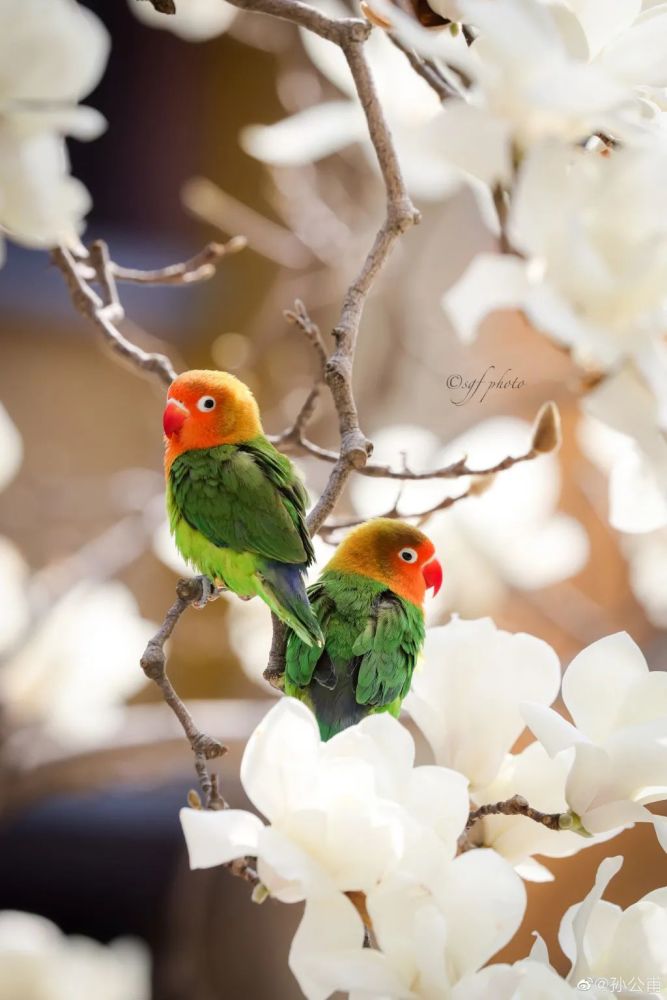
column 408, row 555
column 206, row 404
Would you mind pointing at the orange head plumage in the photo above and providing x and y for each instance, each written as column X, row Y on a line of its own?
column 393, row 553
column 205, row 409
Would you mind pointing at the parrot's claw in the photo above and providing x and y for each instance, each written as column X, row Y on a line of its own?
column 209, row 592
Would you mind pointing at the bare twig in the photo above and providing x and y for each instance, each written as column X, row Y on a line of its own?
column 104, row 308
column 516, row 806
column 153, row 663
column 299, row 317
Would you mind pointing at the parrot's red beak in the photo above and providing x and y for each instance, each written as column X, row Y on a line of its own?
column 432, row 572
column 175, row 415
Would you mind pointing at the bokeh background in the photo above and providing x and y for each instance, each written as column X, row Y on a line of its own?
column 93, row 770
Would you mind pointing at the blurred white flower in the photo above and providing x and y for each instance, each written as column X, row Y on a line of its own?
column 13, row 581
column 11, row 449
column 617, row 748
column 38, row 962
column 411, row 106
column 471, row 670
column 512, row 535
column 595, row 272
column 53, row 53
column 194, row 20
column 631, row 447
column 78, row 666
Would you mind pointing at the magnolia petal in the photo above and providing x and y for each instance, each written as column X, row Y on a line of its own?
column 500, row 670
column 11, row 449
column 597, row 682
column 327, row 954
column 217, row 837
column 490, row 283
column 278, row 770
column 307, row 136
column 476, row 933
column 194, row 20
column 572, row 933
column 553, row 731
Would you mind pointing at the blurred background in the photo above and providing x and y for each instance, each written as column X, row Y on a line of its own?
column 93, row 768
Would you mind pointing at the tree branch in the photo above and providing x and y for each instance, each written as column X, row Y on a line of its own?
column 104, row 308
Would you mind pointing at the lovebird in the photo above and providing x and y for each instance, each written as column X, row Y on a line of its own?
column 236, row 506
column 369, row 602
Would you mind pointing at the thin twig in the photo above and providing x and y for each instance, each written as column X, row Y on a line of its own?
column 104, row 308
column 153, row 664
column 516, row 806
column 299, row 317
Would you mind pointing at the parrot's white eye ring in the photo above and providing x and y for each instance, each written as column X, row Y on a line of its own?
column 408, row 555
column 206, row 404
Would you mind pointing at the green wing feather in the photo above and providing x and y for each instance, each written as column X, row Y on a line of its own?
column 244, row 497
column 387, row 650
column 300, row 659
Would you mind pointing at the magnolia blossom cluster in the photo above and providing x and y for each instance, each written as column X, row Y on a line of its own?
column 53, row 53
column 380, row 849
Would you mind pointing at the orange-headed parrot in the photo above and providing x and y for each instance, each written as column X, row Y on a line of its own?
column 369, row 602
column 236, row 505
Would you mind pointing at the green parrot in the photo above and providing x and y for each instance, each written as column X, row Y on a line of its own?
column 236, row 505
column 369, row 602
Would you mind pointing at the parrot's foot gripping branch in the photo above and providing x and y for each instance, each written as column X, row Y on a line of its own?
column 209, row 592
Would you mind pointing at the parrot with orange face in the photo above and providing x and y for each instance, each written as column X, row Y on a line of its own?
column 236, row 506
column 369, row 602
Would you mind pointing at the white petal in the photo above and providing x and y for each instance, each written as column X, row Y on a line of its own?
column 216, row 837
column 572, row 934
column 307, row 136
column 476, row 933
column 597, row 683
column 491, row 282
column 50, row 50
column 327, row 954
column 279, row 766
column 194, row 20
column 11, row 449
column 553, row 731
column 471, row 669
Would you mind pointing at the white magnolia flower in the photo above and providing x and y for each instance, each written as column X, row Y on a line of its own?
column 624, row 949
column 617, row 747
column 613, row 953
column 541, row 780
column 53, row 53
column 355, row 816
column 37, row 962
column 342, row 814
column 472, row 680
column 512, row 535
column 194, row 20
column 79, row 665
column 429, row 935
column 595, row 272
